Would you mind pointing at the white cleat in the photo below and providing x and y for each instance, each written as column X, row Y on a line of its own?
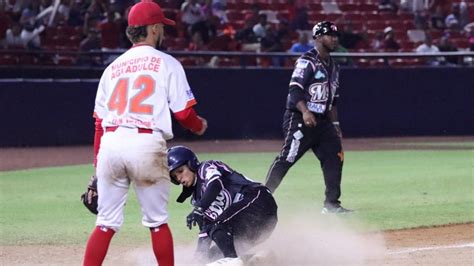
column 227, row 262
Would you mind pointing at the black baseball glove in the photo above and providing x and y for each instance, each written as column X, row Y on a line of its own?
column 90, row 197
column 196, row 217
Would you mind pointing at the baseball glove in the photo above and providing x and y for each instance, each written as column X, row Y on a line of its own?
column 90, row 197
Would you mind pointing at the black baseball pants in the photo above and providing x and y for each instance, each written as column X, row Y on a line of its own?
column 325, row 144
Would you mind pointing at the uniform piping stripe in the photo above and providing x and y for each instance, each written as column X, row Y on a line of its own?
column 284, row 144
column 297, row 84
column 243, row 208
column 213, row 178
column 190, row 103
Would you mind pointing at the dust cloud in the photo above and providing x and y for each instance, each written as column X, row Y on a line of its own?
column 319, row 240
column 301, row 240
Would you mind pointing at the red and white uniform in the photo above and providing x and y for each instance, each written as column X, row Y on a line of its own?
column 134, row 98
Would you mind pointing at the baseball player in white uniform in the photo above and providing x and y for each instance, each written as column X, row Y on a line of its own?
column 133, row 121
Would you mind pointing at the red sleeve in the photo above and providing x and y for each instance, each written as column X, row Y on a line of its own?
column 99, row 131
column 189, row 119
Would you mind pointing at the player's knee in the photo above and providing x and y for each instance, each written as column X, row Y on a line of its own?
column 218, row 228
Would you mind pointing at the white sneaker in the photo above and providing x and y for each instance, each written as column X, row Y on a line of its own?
column 227, row 262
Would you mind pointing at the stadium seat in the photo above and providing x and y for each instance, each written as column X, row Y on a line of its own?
column 234, row 15
column 367, row 7
column 228, row 61
column 28, row 60
column 187, row 61
column 348, row 7
column 331, row 8
column 66, row 60
column 461, row 43
column 370, row 15
column 8, row 60
column 353, row 16
column 376, row 25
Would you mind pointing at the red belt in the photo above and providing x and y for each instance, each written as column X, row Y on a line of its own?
column 140, row 130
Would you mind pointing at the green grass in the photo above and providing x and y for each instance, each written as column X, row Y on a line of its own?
column 389, row 190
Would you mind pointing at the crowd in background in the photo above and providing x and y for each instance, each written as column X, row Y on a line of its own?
column 220, row 25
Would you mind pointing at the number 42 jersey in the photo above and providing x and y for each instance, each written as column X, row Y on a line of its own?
column 138, row 89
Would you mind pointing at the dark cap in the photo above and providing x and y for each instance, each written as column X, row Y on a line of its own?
column 145, row 13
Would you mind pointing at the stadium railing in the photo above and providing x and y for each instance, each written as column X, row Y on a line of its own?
column 99, row 59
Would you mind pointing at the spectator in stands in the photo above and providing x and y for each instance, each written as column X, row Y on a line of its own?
column 299, row 21
column 194, row 19
column 75, row 17
column 428, row 47
column 272, row 43
column 212, row 21
column 437, row 18
column 388, row 5
column 90, row 43
column 348, row 38
column 28, row 15
column 5, row 21
column 122, row 22
column 219, row 10
column 109, row 32
column 470, row 33
column 420, row 10
column 13, row 39
column 377, row 42
column 303, row 45
column 260, row 29
column 95, row 12
column 389, row 43
column 246, row 34
column 197, row 44
column 252, row 14
column 452, row 21
column 445, row 45
column 463, row 14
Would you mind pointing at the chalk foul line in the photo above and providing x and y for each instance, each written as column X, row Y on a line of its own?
column 412, row 250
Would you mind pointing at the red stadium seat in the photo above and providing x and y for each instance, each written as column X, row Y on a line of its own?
column 28, row 60
column 65, row 60
column 371, row 15
column 462, row 43
column 8, row 60
column 353, row 16
column 376, row 25
column 366, row 7
column 235, row 15
column 226, row 61
column 348, row 7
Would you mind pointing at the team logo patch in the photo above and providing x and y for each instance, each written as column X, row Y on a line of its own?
column 190, row 95
column 298, row 73
column 318, row 108
column 319, row 75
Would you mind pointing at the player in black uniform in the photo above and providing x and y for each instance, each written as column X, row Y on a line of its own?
column 226, row 205
column 310, row 119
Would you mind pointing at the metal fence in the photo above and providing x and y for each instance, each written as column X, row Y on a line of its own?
column 204, row 59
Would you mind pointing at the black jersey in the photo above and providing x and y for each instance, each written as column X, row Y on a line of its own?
column 319, row 82
column 217, row 187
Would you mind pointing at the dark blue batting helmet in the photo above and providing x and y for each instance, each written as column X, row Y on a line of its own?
column 181, row 155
